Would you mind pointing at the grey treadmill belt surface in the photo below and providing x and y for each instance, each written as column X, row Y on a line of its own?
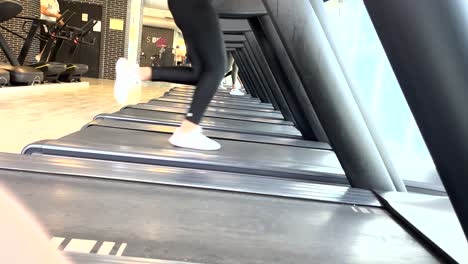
column 180, row 99
column 225, row 115
column 214, row 105
column 216, row 134
column 239, row 157
column 223, row 92
column 240, row 112
column 145, row 116
column 202, row 226
column 187, row 177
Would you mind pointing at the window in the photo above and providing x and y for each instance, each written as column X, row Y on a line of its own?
column 379, row 91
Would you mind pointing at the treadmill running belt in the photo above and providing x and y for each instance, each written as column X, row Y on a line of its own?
column 217, row 105
column 153, row 148
column 145, row 116
column 258, row 106
column 240, row 112
column 226, row 115
column 215, row 134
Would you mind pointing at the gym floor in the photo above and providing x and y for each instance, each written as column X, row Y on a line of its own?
column 53, row 111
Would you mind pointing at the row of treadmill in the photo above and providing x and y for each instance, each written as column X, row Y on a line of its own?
column 271, row 194
column 60, row 40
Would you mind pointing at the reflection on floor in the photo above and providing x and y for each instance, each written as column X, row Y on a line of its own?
column 29, row 115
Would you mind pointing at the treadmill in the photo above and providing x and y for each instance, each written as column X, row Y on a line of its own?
column 238, row 114
column 22, row 74
column 251, row 118
column 216, row 96
column 215, row 104
column 196, row 216
column 216, row 112
column 4, row 78
column 18, row 74
column 251, row 145
column 238, row 155
column 219, row 123
column 51, row 70
column 212, row 133
column 219, row 99
column 73, row 37
column 240, row 121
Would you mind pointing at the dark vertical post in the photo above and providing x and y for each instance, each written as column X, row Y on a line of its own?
column 304, row 115
column 8, row 52
column 249, row 67
column 276, row 98
column 272, row 85
column 255, row 65
column 28, row 41
column 248, row 85
column 245, row 84
column 246, row 69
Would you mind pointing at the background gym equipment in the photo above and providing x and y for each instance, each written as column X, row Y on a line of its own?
column 57, row 35
column 73, row 37
column 18, row 74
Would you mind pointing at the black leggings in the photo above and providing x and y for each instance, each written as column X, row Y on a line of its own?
column 232, row 68
column 205, row 46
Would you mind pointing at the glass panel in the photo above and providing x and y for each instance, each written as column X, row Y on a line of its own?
column 379, row 91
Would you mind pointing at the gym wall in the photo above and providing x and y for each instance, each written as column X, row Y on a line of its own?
column 150, row 48
column 112, row 43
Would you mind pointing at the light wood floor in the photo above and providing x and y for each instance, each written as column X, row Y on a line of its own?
column 49, row 112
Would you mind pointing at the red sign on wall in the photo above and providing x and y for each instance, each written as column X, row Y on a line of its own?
column 161, row 42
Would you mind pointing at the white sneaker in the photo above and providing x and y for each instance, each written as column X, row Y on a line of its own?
column 127, row 79
column 236, row 92
column 193, row 140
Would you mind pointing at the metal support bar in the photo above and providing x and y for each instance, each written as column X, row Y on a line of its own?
column 28, row 41
column 255, row 65
column 275, row 90
column 8, row 52
column 294, row 84
column 293, row 101
column 245, row 77
column 250, row 69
